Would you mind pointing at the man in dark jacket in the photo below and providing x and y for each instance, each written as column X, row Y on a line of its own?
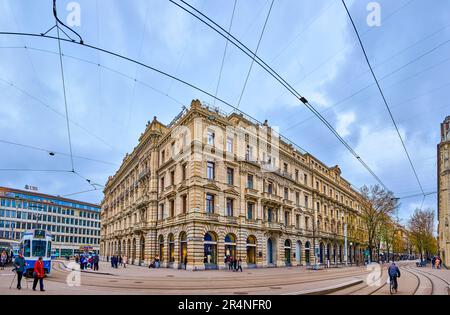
column 394, row 272
column 19, row 266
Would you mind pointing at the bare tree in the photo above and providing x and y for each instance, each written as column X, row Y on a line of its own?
column 377, row 205
column 421, row 226
column 387, row 234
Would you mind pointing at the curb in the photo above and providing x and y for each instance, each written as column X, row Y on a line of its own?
column 327, row 290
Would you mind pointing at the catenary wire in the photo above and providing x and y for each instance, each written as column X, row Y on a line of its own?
column 277, row 77
column 53, row 151
column 23, row 91
column 201, row 90
column 256, row 51
column 347, row 98
column 65, row 96
column 224, row 53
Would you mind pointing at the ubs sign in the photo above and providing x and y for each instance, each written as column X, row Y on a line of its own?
column 29, row 187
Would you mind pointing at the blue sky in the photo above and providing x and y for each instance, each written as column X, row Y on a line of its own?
column 310, row 43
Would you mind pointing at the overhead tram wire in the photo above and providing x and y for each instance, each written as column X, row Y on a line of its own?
column 283, row 82
column 311, row 22
column 64, row 89
column 224, row 53
column 336, row 54
column 80, row 192
column 258, row 61
column 347, row 98
column 33, row 170
column 384, row 98
column 256, row 51
column 418, row 195
column 141, row 64
column 133, row 91
column 54, row 152
column 95, row 64
column 23, row 91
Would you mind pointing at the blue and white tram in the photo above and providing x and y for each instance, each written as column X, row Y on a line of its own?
column 35, row 244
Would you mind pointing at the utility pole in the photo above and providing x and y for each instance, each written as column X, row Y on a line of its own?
column 345, row 244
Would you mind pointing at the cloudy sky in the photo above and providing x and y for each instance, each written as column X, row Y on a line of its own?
column 310, row 43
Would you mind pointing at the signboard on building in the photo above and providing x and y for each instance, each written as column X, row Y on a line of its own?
column 30, row 187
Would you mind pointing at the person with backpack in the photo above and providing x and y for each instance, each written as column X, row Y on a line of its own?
column 394, row 273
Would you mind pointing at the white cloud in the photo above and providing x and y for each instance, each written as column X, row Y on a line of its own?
column 344, row 122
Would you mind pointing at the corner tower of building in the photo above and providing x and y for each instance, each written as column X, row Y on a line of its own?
column 443, row 176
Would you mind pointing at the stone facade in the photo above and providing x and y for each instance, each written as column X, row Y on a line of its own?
column 211, row 185
column 444, row 192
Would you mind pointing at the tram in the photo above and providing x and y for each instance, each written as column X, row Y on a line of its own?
column 35, row 244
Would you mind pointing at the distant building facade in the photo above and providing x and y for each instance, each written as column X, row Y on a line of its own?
column 443, row 164
column 74, row 225
column 210, row 185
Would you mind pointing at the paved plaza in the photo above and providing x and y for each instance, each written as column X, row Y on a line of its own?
column 262, row 281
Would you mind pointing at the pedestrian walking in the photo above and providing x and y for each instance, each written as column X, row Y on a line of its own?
column 3, row 260
column 125, row 261
column 96, row 262
column 433, row 262
column 19, row 267
column 39, row 274
column 235, row 264
column 120, row 260
column 438, row 263
column 239, row 265
column 230, row 262
column 185, row 263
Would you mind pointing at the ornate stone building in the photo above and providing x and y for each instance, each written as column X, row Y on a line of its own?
column 211, row 185
column 444, row 192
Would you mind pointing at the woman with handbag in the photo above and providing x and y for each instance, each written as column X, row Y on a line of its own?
column 39, row 274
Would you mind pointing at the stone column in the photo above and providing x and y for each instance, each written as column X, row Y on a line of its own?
column 176, row 254
column 279, row 249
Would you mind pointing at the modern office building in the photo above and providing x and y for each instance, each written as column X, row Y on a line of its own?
column 211, row 185
column 443, row 164
column 74, row 225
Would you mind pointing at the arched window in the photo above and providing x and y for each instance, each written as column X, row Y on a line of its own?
column 287, row 252
column 161, row 247
column 210, row 251
column 230, row 245
column 307, row 253
column 171, row 248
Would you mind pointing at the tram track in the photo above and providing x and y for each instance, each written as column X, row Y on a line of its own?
column 363, row 289
column 215, row 278
column 404, row 269
column 121, row 283
column 427, row 274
